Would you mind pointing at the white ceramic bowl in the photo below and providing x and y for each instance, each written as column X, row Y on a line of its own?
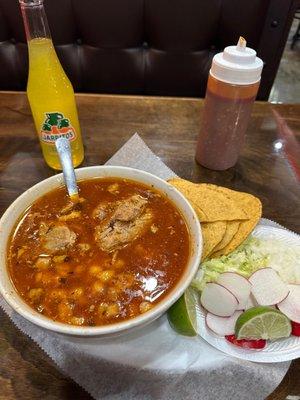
column 12, row 214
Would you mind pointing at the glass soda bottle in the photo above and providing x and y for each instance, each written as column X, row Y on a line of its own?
column 49, row 91
column 232, row 87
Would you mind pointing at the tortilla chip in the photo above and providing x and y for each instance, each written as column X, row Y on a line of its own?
column 253, row 209
column 212, row 233
column 231, row 229
column 212, row 205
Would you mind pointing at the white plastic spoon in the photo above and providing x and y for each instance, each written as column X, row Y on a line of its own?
column 65, row 157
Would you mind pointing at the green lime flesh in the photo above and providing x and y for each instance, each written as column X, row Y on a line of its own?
column 262, row 323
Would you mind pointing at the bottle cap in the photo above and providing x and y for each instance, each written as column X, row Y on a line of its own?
column 237, row 65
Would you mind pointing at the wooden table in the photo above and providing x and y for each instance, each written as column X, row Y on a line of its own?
column 169, row 126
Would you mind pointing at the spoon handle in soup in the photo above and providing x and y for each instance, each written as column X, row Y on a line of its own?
column 65, row 156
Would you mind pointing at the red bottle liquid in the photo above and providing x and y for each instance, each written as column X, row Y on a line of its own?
column 231, row 90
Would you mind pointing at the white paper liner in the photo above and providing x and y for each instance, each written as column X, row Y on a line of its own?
column 154, row 362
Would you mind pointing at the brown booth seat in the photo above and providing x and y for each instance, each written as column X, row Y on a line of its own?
column 152, row 47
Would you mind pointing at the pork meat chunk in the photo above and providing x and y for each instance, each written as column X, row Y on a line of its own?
column 129, row 209
column 57, row 238
column 115, row 235
column 102, row 211
column 129, row 219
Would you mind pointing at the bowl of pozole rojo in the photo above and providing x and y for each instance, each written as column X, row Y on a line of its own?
column 117, row 259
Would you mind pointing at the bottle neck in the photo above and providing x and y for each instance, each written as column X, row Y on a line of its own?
column 35, row 19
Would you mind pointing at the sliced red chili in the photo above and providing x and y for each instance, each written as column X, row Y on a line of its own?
column 295, row 328
column 246, row 343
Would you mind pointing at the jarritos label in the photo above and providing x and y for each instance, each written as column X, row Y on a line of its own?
column 56, row 126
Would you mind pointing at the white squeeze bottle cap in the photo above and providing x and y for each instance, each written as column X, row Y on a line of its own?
column 237, row 65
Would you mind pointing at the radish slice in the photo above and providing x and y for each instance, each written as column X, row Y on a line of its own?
column 251, row 302
column 267, row 287
column 222, row 325
column 291, row 305
column 237, row 285
column 218, row 300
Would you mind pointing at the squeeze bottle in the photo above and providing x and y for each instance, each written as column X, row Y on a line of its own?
column 232, row 87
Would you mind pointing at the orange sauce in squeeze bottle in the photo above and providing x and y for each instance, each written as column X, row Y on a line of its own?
column 232, row 87
column 49, row 91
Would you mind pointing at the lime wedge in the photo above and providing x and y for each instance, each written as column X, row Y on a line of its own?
column 182, row 314
column 262, row 323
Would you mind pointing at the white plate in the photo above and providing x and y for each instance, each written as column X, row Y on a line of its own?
column 279, row 350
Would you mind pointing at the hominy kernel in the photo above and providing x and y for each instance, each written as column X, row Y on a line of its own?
column 98, row 287
column 108, row 310
column 102, row 308
column 77, row 320
column 38, row 276
column 113, row 188
column 106, row 275
column 153, row 228
column 58, row 294
column 35, row 294
column 42, row 263
column 124, row 281
column 47, row 278
column 112, row 294
column 95, row 269
column 60, row 259
column 76, row 293
column 84, row 246
column 112, row 310
column 145, row 306
column 119, row 263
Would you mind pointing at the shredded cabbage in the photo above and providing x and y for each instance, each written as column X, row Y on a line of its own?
column 250, row 256
column 245, row 260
